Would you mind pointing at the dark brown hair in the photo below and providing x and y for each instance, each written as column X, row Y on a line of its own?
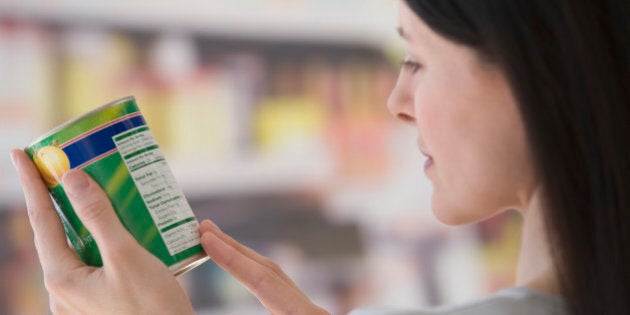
column 568, row 64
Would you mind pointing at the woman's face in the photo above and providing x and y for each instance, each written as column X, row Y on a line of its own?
column 468, row 124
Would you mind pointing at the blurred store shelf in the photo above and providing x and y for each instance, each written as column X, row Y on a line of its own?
column 253, row 120
column 204, row 179
column 252, row 175
column 349, row 21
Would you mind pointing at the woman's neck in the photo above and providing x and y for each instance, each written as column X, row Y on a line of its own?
column 535, row 265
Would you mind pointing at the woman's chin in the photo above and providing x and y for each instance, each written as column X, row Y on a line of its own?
column 449, row 217
column 454, row 216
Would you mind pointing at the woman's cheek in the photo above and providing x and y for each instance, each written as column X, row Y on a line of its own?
column 453, row 199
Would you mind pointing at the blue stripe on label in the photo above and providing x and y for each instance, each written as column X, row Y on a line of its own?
column 99, row 142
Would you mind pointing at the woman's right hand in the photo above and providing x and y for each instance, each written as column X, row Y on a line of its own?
column 264, row 278
column 131, row 281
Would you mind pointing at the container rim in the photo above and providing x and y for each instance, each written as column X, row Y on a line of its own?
column 69, row 122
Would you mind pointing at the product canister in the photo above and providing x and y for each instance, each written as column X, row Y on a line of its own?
column 114, row 145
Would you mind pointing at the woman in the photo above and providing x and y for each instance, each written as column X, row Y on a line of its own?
column 521, row 104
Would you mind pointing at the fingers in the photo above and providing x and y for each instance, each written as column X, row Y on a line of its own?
column 96, row 212
column 209, row 226
column 56, row 307
column 50, row 238
column 272, row 290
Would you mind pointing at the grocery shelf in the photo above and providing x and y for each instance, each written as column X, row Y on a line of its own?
column 250, row 176
column 206, row 179
column 328, row 24
column 347, row 22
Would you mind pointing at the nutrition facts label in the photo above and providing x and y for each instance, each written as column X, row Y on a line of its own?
column 159, row 190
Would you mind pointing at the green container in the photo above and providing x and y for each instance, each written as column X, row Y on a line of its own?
column 115, row 146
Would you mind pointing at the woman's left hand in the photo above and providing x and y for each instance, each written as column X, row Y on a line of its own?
column 264, row 278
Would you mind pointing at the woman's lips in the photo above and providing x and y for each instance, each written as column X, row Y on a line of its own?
column 428, row 163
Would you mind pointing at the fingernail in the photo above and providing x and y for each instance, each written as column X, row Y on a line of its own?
column 75, row 182
column 210, row 225
column 13, row 159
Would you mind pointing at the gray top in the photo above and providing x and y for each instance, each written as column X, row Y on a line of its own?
column 512, row 301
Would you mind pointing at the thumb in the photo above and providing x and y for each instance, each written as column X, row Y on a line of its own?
column 97, row 214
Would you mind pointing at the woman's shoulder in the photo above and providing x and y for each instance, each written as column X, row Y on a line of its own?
column 513, row 301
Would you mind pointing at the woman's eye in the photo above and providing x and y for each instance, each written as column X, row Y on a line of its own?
column 410, row 65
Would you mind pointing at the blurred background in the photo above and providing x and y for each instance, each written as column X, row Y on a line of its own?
column 272, row 116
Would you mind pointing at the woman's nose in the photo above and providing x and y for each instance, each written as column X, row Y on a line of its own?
column 400, row 101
